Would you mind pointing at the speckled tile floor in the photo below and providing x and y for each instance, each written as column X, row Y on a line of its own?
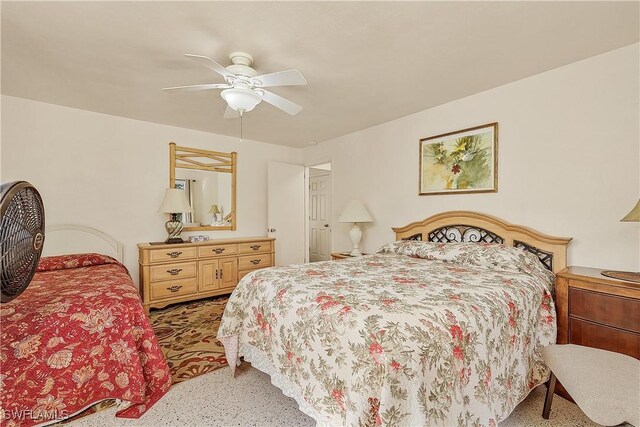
column 217, row 399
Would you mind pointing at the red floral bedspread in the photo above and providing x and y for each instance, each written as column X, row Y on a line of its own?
column 76, row 336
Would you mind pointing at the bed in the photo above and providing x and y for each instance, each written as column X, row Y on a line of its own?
column 445, row 326
column 78, row 335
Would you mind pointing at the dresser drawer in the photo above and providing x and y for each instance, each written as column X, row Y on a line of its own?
column 612, row 310
column 173, row 288
column 174, row 271
column 254, row 247
column 217, row 250
column 241, row 274
column 251, row 262
column 174, row 254
column 604, row 337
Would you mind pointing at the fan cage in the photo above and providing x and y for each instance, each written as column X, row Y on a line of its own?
column 21, row 236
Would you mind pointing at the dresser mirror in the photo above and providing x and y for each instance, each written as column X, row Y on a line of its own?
column 209, row 180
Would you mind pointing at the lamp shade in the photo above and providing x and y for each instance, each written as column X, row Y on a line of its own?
column 355, row 212
column 634, row 215
column 175, row 201
column 240, row 99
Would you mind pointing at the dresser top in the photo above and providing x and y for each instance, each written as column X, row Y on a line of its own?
column 208, row 242
column 594, row 275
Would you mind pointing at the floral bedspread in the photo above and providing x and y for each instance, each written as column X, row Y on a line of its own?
column 417, row 334
column 77, row 335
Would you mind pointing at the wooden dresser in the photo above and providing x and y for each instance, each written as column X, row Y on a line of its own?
column 598, row 311
column 187, row 271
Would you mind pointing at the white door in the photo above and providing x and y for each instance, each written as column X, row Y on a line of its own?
column 319, row 214
column 285, row 194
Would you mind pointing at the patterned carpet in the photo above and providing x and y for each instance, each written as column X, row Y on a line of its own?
column 187, row 335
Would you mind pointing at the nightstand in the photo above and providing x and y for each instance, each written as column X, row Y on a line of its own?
column 341, row 255
column 598, row 311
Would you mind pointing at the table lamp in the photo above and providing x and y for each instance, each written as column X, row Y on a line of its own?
column 633, row 216
column 175, row 202
column 355, row 212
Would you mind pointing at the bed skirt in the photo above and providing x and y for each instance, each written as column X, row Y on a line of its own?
column 261, row 362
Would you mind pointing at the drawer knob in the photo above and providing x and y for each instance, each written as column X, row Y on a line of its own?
column 255, row 247
column 174, row 271
column 174, row 254
column 174, row 288
column 255, row 261
column 218, row 250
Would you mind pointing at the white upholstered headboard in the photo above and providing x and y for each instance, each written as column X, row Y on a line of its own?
column 66, row 239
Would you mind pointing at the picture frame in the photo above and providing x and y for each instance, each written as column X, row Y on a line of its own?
column 460, row 162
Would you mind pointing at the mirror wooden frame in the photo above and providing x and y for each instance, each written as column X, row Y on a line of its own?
column 183, row 158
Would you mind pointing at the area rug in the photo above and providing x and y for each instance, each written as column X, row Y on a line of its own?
column 187, row 336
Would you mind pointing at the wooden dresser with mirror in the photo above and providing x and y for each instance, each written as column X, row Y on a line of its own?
column 177, row 272
column 171, row 273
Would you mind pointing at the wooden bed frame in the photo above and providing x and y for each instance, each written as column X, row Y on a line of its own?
column 66, row 239
column 468, row 226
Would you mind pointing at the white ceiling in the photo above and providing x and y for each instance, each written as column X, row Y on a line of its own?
column 366, row 62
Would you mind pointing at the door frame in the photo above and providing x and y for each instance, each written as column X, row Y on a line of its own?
column 309, row 165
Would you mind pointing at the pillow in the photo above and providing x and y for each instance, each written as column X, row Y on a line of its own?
column 494, row 256
column 62, row 262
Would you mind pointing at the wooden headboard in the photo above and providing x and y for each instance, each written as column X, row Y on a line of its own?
column 467, row 226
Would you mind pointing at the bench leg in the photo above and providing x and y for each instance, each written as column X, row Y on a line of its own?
column 551, row 388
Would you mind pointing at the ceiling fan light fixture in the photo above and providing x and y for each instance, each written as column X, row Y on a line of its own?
column 243, row 88
column 240, row 99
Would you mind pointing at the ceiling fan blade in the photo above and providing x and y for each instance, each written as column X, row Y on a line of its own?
column 281, row 103
column 281, row 78
column 198, row 87
column 210, row 64
column 230, row 113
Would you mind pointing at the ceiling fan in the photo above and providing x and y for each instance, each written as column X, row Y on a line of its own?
column 244, row 88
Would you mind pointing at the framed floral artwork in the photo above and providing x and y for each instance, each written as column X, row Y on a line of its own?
column 464, row 161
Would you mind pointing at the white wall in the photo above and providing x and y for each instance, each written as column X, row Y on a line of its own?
column 569, row 155
column 569, row 149
column 110, row 173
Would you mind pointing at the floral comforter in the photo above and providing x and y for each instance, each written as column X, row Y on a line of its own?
column 76, row 336
column 417, row 334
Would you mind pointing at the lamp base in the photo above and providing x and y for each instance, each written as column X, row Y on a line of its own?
column 174, row 227
column 356, row 235
column 629, row 276
column 172, row 240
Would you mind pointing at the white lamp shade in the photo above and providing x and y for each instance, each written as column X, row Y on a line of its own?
column 355, row 212
column 175, row 201
column 240, row 99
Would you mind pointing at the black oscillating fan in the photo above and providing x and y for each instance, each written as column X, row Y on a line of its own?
column 21, row 236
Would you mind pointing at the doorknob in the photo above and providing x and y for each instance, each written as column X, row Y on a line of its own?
column 326, row 225
column 272, row 230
